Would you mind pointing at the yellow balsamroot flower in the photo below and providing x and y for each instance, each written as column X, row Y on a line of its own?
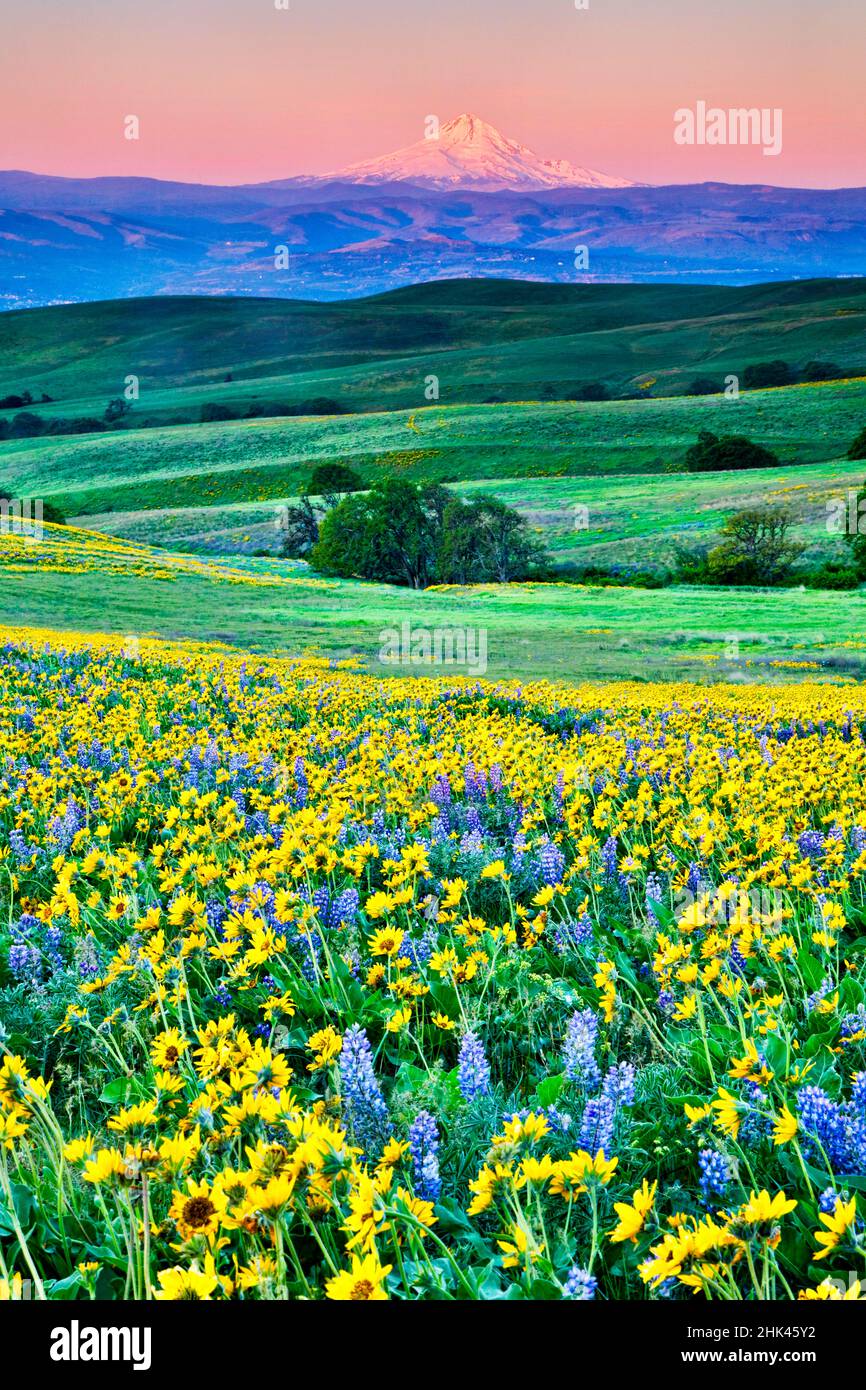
column 487, row 1185
column 686, row 1009
column 761, row 1207
column 729, row 1113
column 378, row 905
column 828, row 1291
column 394, row 1150
column 750, row 1067
column 517, row 1250
column 526, row 1131
column 260, row 1273
column 495, row 869
column 179, row 1150
column 536, row 1170
column 385, row 942
column 605, row 978
column 135, row 1117
column 363, row 1283
column 398, row 1021
column 696, row 1113
column 107, row 1166
column 632, row 1219
column 262, row 1069
column 187, row 1285
column 167, row 1048
column 692, row 1253
column 325, row 1045
column 77, row 1149
column 444, row 1022
column 576, row 1174
column 13, row 1126
column 452, row 892
column 367, row 1218
column 785, row 1127
column 196, row 1212
column 837, row 1225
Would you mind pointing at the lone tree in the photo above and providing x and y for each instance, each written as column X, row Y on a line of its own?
column 756, row 548
column 715, row 454
column 405, row 533
column 116, row 409
column 858, row 448
column 387, row 534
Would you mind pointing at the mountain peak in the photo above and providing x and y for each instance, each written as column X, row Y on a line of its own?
column 468, row 128
column 468, row 152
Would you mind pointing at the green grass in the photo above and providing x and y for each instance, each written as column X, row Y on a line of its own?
column 262, row 460
column 561, row 632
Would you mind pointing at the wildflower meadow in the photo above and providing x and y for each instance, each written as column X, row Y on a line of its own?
column 320, row 985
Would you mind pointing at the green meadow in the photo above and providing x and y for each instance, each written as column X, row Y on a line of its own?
column 563, row 632
column 602, row 483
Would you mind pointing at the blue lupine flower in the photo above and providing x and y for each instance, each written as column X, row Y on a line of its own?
column 827, row 1201
column 653, row 890
column 473, row 1073
column 568, row 936
column 580, row 1285
column 596, row 1127
column 823, row 1121
column 579, row 1051
column 424, row 1147
column 608, row 857
column 714, row 1172
column 811, row 844
column 619, row 1084
column 552, row 861
column 364, row 1107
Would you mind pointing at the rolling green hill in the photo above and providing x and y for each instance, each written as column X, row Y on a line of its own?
column 631, row 521
column 264, row 460
column 483, row 339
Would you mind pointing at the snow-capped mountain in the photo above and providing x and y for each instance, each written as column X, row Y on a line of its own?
column 471, row 153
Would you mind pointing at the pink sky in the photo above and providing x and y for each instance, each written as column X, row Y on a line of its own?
column 230, row 91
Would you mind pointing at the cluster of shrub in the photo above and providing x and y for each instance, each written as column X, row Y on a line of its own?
column 413, row 534
column 28, row 425
column 757, row 376
column 118, row 414
column 714, row 453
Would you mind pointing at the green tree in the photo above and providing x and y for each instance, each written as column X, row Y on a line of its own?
column 756, row 548
column 759, row 375
column 333, row 482
column 713, row 453
column 384, row 534
column 858, row 448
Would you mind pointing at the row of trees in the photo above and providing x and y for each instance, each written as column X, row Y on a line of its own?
column 406, row 533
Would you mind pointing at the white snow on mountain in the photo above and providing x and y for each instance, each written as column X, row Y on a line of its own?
column 470, row 153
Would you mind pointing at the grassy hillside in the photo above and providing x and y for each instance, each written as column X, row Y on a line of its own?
column 630, row 520
column 263, row 460
column 481, row 338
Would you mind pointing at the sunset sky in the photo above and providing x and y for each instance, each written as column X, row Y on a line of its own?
column 230, row 91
